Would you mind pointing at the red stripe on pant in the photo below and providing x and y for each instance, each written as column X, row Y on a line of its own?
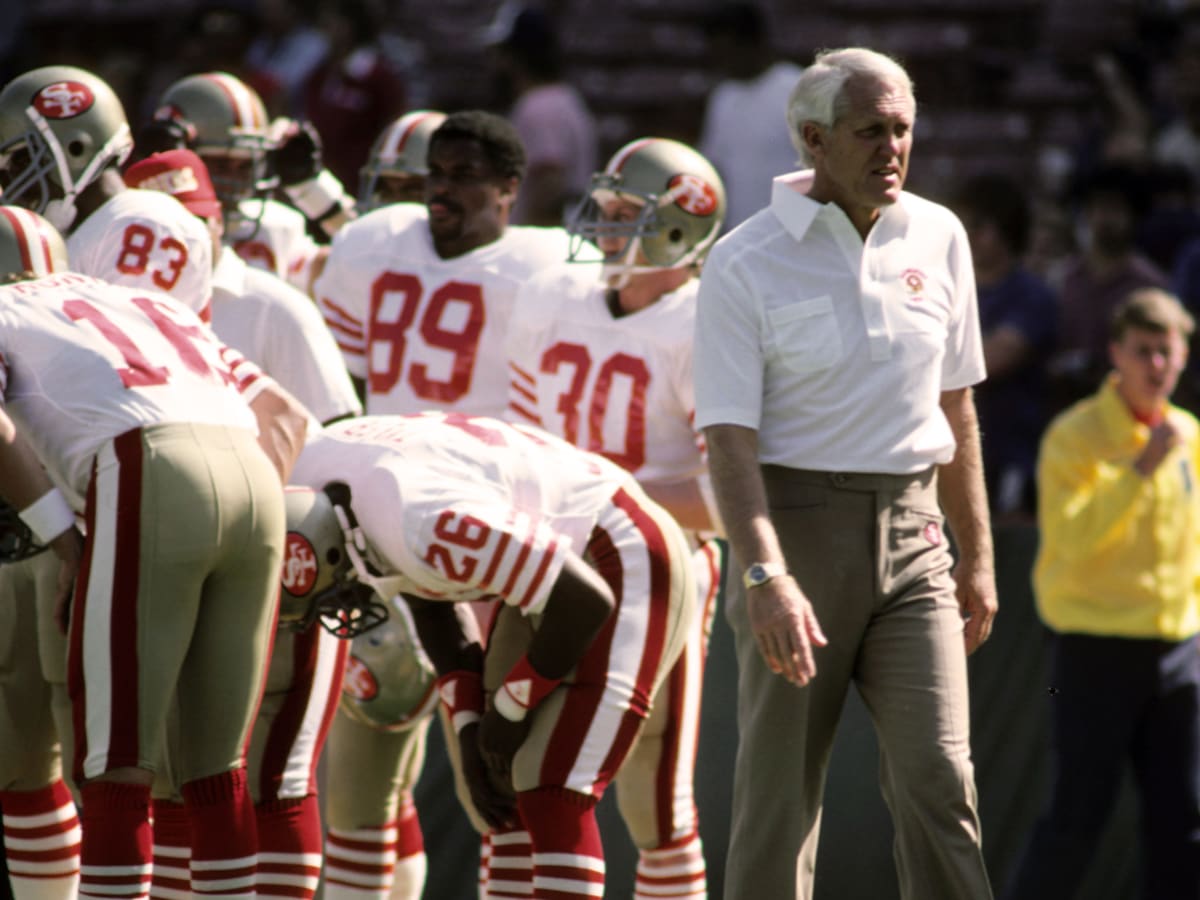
column 123, row 748
column 287, row 728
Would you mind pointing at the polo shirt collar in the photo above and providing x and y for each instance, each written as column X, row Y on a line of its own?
column 791, row 204
column 796, row 211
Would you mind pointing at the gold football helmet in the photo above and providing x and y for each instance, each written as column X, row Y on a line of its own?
column 682, row 205
column 60, row 128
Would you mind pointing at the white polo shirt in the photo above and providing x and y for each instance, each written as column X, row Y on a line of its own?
column 834, row 349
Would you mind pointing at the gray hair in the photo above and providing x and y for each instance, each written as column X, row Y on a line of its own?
column 819, row 95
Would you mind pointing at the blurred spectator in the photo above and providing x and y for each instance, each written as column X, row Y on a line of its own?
column 1115, row 581
column 1051, row 240
column 549, row 114
column 1106, row 268
column 744, row 134
column 287, row 48
column 354, row 93
column 1178, row 141
column 1172, row 220
column 1017, row 315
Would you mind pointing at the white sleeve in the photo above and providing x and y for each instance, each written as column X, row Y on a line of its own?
column 341, row 306
column 727, row 356
column 306, row 361
column 963, row 364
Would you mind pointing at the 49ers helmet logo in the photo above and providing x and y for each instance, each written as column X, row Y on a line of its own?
column 299, row 565
column 358, row 682
column 696, row 196
column 63, row 100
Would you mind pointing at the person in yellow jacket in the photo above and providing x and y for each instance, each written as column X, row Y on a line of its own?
column 1116, row 583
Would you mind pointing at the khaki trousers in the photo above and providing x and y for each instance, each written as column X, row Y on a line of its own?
column 869, row 552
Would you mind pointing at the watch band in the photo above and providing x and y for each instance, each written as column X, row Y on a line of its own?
column 760, row 573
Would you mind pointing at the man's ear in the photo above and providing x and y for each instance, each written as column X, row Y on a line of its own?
column 813, row 136
column 509, row 187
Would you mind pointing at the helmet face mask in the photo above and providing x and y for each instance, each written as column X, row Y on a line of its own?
column 320, row 579
column 682, row 206
column 396, row 168
column 60, row 128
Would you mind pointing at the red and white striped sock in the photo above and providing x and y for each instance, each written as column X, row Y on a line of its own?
column 224, row 842
column 485, row 859
column 289, row 847
column 41, row 839
column 568, row 857
column 360, row 862
column 172, row 851
column 408, row 878
column 509, row 866
column 674, row 870
column 116, row 853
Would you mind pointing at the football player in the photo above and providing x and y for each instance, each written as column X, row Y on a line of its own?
column 63, row 138
column 604, row 360
column 224, row 121
column 173, row 448
column 418, row 298
column 594, row 589
column 278, row 328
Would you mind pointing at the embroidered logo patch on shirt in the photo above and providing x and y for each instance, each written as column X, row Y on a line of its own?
column 914, row 283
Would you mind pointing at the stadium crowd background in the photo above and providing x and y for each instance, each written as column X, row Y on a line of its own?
column 1045, row 92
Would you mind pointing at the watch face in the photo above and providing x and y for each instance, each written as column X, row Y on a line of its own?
column 756, row 575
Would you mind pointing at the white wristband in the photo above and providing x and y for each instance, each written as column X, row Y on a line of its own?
column 506, row 704
column 319, row 196
column 48, row 516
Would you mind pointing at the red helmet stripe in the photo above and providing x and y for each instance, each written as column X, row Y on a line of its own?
column 622, row 157
column 245, row 110
column 21, row 226
column 417, row 119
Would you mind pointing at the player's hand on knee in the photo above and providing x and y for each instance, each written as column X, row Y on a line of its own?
column 499, row 741
column 493, row 799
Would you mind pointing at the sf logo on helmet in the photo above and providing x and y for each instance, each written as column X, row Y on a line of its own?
column 299, row 565
column 696, row 196
column 63, row 100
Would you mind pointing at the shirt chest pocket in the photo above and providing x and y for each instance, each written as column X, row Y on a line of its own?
column 803, row 336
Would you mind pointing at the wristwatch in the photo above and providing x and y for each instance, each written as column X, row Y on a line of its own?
column 760, row 573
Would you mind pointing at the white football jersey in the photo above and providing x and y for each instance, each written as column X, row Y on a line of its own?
column 464, row 507
column 618, row 386
column 146, row 240
column 270, row 322
column 422, row 331
column 273, row 236
column 82, row 361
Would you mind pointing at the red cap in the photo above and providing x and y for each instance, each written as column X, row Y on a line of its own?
column 180, row 173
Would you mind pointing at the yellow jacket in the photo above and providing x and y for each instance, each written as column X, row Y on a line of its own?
column 1119, row 553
